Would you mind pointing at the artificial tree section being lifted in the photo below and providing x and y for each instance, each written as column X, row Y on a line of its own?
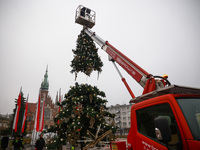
column 86, row 58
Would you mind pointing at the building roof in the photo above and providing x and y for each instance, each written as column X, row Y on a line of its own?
column 172, row 89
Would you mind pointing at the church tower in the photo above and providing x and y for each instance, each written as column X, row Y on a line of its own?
column 45, row 83
column 50, row 109
column 44, row 89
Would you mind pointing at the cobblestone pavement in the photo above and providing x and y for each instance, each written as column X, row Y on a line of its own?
column 30, row 147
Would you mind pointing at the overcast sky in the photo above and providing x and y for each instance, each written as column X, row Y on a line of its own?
column 161, row 36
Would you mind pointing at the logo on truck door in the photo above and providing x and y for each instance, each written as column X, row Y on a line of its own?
column 147, row 146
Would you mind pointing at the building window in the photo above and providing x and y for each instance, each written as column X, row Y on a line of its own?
column 124, row 118
column 47, row 113
column 124, row 113
column 117, row 119
column 29, row 118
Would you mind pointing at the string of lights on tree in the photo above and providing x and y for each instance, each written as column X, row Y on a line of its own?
column 83, row 112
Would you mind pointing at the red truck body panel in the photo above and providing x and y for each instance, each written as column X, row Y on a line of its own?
column 138, row 141
column 193, row 145
column 118, row 145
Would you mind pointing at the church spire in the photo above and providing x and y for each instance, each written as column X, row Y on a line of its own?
column 45, row 83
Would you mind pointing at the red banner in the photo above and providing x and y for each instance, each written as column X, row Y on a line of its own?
column 25, row 115
column 38, row 114
column 17, row 112
column 42, row 118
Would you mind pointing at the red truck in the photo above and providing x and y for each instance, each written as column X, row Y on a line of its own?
column 165, row 116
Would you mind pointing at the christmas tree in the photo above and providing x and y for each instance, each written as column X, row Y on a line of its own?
column 86, row 58
column 21, row 116
column 83, row 116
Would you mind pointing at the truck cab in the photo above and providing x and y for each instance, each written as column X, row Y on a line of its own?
column 180, row 108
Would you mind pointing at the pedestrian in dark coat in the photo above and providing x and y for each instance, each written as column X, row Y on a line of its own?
column 17, row 143
column 22, row 140
column 40, row 143
column 4, row 142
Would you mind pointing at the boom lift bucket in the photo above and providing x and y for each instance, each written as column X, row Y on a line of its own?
column 85, row 16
